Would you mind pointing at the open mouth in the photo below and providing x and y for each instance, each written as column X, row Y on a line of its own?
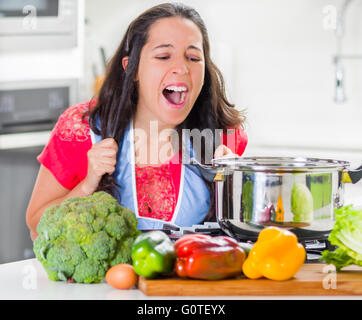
column 175, row 95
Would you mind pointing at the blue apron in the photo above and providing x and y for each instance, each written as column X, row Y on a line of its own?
column 193, row 200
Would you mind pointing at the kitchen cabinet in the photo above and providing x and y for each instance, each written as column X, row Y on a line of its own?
column 18, row 171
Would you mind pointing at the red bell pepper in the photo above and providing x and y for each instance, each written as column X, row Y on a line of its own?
column 201, row 256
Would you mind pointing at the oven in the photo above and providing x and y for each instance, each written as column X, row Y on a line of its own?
column 27, row 106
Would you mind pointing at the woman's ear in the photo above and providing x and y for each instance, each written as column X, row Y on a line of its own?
column 125, row 62
column 124, row 65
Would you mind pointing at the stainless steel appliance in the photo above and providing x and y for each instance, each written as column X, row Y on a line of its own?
column 34, row 105
column 313, row 247
column 295, row 193
column 38, row 24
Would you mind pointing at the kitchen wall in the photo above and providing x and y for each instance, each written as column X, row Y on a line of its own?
column 277, row 60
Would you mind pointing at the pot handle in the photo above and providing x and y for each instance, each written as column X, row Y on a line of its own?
column 352, row 176
column 208, row 172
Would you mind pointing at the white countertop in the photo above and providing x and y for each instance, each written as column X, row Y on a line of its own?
column 27, row 280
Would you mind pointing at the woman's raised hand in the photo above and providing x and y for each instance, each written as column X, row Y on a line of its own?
column 102, row 158
column 223, row 151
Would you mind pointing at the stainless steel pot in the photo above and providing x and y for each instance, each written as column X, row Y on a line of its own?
column 296, row 193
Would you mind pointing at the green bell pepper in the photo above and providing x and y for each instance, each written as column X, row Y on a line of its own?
column 153, row 254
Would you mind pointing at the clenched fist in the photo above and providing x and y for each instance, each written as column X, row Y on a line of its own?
column 223, row 151
column 102, row 158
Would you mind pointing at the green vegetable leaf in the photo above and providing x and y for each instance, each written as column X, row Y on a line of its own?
column 347, row 236
column 302, row 203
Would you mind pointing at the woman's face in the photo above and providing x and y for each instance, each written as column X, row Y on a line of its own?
column 171, row 71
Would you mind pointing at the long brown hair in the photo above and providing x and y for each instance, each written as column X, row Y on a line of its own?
column 118, row 97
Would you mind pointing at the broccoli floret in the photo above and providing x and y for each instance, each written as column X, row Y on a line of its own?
column 41, row 246
column 99, row 246
column 123, row 252
column 116, row 226
column 63, row 257
column 83, row 237
column 99, row 199
column 98, row 224
column 89, row 271
column 131, row 221
column 50, row 226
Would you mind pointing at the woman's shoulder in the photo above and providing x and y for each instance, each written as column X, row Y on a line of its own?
column 72, row 124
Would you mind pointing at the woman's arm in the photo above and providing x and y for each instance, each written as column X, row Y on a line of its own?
column 48, row 192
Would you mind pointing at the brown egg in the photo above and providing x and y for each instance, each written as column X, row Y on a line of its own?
column 122, row 276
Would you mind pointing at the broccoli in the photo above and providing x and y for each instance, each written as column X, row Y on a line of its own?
column 82, row 238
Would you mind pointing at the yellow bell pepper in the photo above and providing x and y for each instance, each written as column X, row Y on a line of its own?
column 276, row 255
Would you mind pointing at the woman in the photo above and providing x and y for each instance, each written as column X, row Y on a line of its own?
column 161, row 79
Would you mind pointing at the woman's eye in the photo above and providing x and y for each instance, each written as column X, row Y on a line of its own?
column 194, row 59
column 162, row 57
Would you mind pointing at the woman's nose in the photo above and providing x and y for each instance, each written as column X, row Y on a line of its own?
column 180, row 67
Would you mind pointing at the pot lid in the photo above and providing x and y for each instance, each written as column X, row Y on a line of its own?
column 299, row 164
